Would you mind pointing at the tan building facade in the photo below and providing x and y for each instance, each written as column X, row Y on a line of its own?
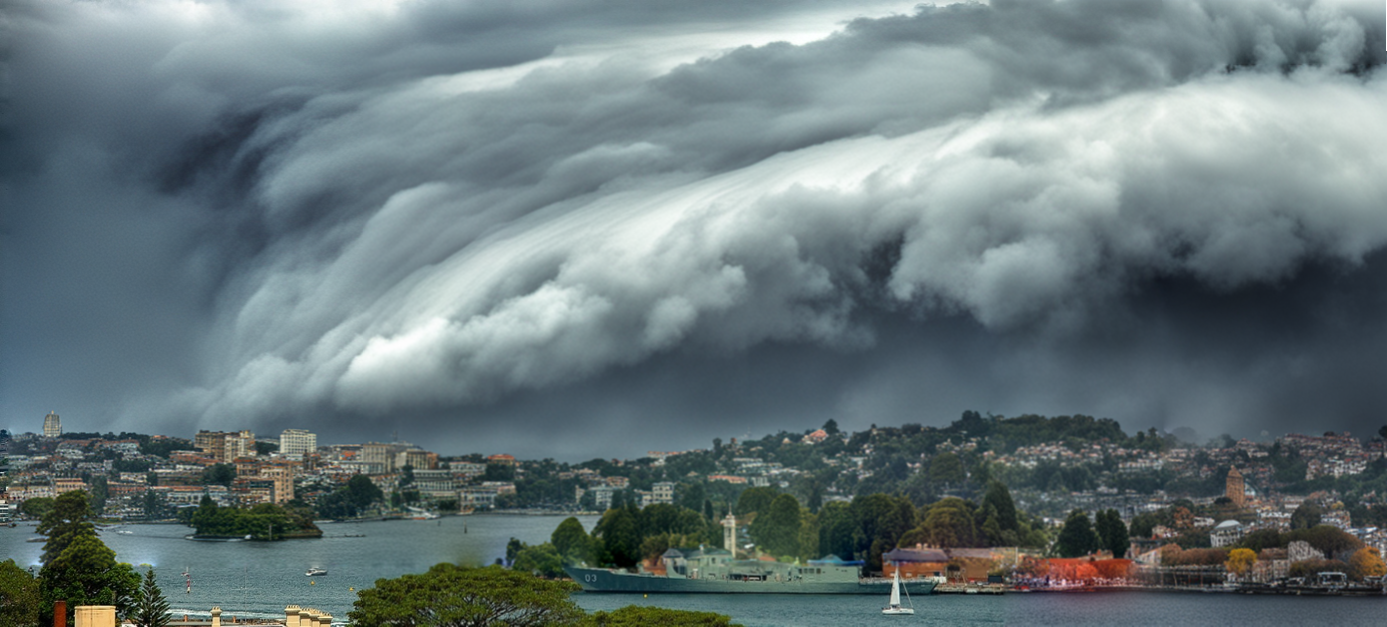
column 1236, row 488
column 225, row 446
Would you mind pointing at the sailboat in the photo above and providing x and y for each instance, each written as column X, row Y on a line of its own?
column 895, row 606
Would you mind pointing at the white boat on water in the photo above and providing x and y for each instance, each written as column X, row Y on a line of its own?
column 314, row 572
column 895, row 607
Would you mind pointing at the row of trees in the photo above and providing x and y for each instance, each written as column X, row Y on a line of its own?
column 77, row 567
column 779, row 526
column 265, row 521
column 1362, row 563
column 1081, row 537
column 1328, row 539
column 350, row 500
column 457, row 596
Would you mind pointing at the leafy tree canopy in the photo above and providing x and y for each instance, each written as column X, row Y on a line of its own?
column 1112, row 533
column 19, row 596
column 1240, row 561
column 36, row 507
column 86, row 573
column 753, row 500
column 456, row 596
column 219, row 474
column 541, row 559
column 999, row 497
column 572, row 542
column 68, row 518
column 777, row 529
column 1307, row 515
column 644, row 616
column 1077, row 538
column 1366, row 562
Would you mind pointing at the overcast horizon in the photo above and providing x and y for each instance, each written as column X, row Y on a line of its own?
column 591, row 229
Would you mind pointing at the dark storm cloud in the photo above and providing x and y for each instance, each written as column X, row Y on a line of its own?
column 585, row 215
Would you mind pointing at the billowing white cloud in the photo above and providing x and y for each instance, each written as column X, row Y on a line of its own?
column 388, row 209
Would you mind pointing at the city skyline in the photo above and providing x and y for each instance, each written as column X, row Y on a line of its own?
column 571, row 230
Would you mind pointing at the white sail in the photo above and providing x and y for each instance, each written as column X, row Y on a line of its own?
column 895, row 607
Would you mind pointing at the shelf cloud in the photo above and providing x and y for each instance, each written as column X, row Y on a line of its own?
column 483, row 221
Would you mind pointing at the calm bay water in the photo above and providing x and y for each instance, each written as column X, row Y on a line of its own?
column 257, row 579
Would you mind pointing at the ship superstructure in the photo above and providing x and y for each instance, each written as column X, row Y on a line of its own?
column 714, row 570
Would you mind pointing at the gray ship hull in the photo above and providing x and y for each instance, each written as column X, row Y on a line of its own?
column 602, row 580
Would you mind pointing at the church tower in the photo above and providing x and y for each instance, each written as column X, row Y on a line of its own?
column 1236, row 490
column 729, row 534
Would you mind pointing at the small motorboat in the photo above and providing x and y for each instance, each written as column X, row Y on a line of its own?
column 316, row 572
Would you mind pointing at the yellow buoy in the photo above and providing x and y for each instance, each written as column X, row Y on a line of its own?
column 312, row 583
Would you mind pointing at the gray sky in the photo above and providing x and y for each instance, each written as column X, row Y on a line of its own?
column 575, row 229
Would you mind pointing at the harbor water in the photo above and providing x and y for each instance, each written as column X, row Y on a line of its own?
column 257, row 579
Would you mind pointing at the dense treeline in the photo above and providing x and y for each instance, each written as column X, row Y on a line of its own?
column 353, row 499
column 778, row 525
column 1335, row 543
column 1080, row 536
column 541, row 487
column 265, row 521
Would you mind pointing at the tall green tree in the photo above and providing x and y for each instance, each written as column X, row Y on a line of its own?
column 219, row 474
column 455, row 596
column 753, row 500
column 836, row 528
column 777, row 529
column 946, row 469
column 1077, row 538
column 948, row 523
column 20, row 596
column 620, row 534
column 68, row 519
column 86, row 573
column 99, row 493
column 363, row 491
column 154, row 506
column 691, row 495
column 999, row 497
column 1112, row 533
column 150, row 608
column 572, row 542
column 1306, row 516
column 541, row 559
column 880, row 520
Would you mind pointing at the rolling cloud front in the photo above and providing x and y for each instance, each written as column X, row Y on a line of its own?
column 574, row 229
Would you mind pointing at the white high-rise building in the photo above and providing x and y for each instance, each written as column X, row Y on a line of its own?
column 52, row 427
column 295, row 443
